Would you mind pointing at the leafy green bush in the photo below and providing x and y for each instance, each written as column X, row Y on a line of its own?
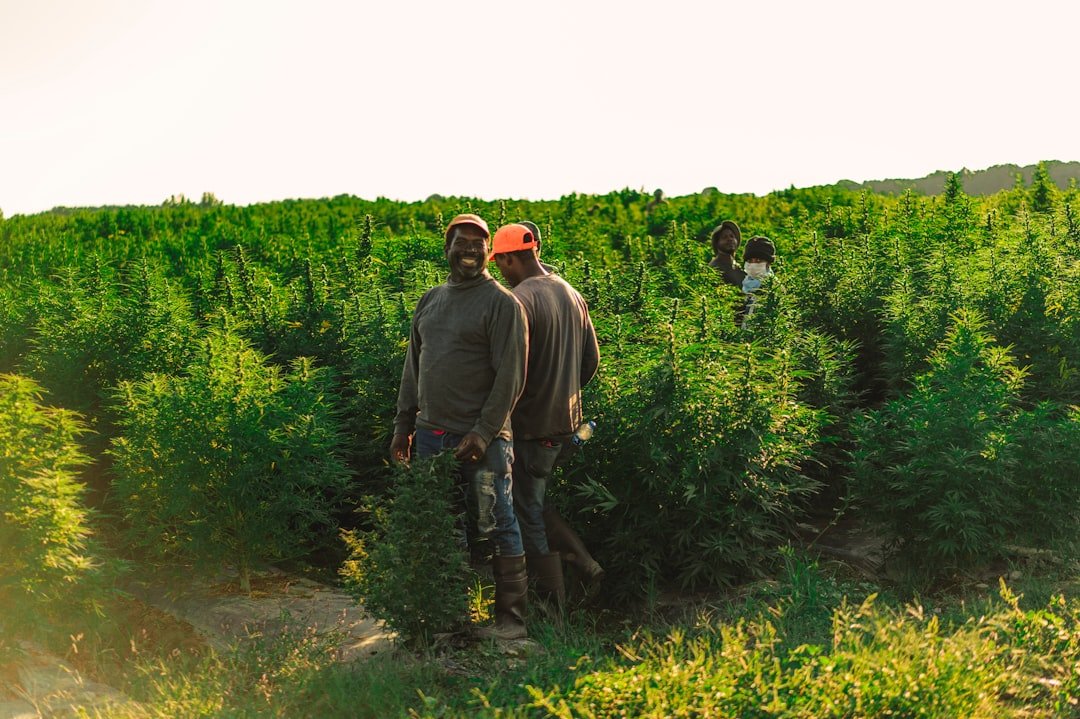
column 375, row 332
column 44, row 528
column 1047, row 468
column 956, row 468
column 1061, row 329
column 695, row 475
column 233, row 461
column 411, row 570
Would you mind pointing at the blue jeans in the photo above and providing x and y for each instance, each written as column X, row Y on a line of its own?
column 483, row 492
column 534, row 459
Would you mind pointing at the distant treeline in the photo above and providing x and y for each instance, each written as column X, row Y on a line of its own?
column 975, row 182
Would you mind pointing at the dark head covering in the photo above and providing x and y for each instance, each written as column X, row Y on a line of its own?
column 759, row 248
column 727, row 225
column 533, row 229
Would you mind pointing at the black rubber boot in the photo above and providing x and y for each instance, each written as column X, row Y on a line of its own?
column 547, row 575
column 511, row 591
column 563, row 539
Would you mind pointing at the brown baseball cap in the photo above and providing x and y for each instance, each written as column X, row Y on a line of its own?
column 467, row 219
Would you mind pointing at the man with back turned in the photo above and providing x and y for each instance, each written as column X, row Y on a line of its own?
column 563, row 357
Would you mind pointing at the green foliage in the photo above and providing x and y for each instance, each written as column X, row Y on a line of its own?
column 864, row 289
column 44, row 527
column 410, row 570
column 879, row 663
column 707, row 449
column 953, row 469
column 997, row 659
column 16, row 319
column 94, row 329
column 696, row 472
column 1044, row 643
column 291, row 675
column 1043, row 189
column 375, row 332
column 232, row 461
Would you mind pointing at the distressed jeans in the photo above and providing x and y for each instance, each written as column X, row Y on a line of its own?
column 534, row 459
column 483, row 491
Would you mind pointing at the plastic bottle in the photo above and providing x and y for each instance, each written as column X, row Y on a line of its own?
column 584, row 432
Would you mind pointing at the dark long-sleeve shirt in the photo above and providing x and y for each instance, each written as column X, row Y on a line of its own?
column 563, row 356
column 465, row 366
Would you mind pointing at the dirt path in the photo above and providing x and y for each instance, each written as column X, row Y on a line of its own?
column 846, row 541
column 44, row 685
column 278, row 603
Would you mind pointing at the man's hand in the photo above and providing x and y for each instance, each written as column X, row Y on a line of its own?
column 471, row 448
column 399, row 448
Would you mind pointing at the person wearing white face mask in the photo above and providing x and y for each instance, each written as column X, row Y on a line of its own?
column 757, row 264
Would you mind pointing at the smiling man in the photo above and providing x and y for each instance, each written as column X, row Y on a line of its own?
column 464, row 370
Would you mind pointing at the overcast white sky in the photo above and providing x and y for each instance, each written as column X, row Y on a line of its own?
column 129, row 102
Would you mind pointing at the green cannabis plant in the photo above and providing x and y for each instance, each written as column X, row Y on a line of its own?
column 957, row 469
column 45, row 529
column 410, row 570
column 696, row 473
column 232, row 461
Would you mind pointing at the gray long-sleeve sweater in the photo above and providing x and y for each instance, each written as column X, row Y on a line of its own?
column 465, row 366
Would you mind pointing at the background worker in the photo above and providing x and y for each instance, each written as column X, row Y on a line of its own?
column 464, row 370
column 758, row 257
column 564, row 355
column 725, row 239
column 531, row 227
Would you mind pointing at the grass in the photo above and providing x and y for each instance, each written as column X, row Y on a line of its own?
column 813, row 643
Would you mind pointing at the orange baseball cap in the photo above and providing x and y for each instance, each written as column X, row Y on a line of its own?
column 467, row 219
column 511, row 238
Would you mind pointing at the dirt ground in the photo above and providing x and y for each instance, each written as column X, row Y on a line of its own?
column 195, row 613
column 278, row 603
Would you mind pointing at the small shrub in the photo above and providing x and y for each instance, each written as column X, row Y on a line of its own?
column 411, row 570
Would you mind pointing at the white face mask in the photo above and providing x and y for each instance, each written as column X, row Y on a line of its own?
column 757, row 270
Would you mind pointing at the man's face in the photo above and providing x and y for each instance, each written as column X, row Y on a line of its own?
column 467, row 252
column 725, row 241
column 508, row 268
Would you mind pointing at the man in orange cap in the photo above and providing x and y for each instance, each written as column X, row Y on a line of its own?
column 563, row 357
column 464, row 370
